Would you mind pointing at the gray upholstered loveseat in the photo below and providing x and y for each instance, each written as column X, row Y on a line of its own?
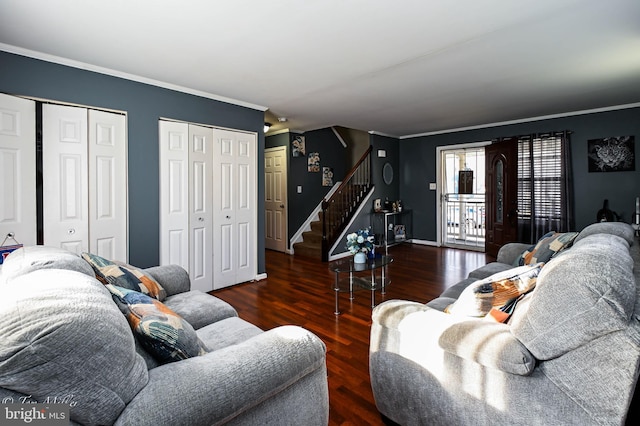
column 63, row 339
column 569, row 354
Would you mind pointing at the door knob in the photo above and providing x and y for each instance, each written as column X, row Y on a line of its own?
column 228, row 217
column 282, row 206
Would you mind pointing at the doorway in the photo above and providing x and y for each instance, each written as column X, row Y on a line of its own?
column 461, row 191
column 275, row 203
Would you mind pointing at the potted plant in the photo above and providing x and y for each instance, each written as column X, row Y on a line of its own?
column 360, row 244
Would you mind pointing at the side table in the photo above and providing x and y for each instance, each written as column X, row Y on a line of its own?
column 354, row 278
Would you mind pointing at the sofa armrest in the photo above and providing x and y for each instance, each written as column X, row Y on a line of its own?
column 408, row 328
column 509, row 252
column 173, row 278
column 416, row 332
column 221, row 385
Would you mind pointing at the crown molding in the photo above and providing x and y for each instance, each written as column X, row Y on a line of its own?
column 526, row 120
column 127, row 76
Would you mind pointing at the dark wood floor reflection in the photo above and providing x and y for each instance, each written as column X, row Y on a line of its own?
column 299, row 291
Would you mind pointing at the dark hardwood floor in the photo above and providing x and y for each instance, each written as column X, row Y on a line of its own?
column 299, row 291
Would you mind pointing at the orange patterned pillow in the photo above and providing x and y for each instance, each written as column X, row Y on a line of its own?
column 480, row 297
column 124, row 275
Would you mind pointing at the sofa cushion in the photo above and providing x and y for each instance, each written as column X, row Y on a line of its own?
column 199, row 308
column 489, row 344
column 165, row 334
column 124, row 275
column 621, row 229
column 478, row 298
column 547, row 246
column 582, row 294
column 62, row 335
column 227, row 332
column 32, row 258
column 488, row 270
column 456, row 290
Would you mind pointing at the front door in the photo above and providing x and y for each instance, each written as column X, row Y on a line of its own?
column 502, row 186
column 275, row 203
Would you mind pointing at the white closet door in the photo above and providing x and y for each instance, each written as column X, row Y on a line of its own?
column 108, row 185
column 65, row 186
column 174, row 196
column 234, row 207
column 18, row 169
column 201, row 207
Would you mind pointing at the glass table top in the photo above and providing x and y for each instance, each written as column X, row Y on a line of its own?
column 348, row 265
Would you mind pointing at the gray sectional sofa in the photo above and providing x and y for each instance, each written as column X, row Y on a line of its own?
column 568, row 355
column 62, row 338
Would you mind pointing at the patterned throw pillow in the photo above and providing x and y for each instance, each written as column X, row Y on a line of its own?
column 547, row 246
column 162, row 332
column 126, row 276
column 496, row 291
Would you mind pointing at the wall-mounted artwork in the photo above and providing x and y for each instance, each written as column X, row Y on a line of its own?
column 327, row 176
column 613, row 154
column 297, row 146
column 314, row 162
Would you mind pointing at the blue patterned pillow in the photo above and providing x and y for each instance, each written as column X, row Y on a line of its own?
column 162, row 332
column 547, row 246
column 123, row 275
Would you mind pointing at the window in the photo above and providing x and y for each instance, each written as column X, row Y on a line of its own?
column 544, row 185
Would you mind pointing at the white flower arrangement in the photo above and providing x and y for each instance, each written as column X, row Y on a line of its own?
column 360, row 241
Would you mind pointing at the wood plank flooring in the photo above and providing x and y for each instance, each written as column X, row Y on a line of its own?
column 299, row 291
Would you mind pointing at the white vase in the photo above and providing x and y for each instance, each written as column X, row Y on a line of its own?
column 360, row 257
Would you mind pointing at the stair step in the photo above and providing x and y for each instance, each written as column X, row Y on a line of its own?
column 314, row 237
column 316, row 227
column 307, row 249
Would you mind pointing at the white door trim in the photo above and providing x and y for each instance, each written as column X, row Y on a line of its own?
column 439, row 181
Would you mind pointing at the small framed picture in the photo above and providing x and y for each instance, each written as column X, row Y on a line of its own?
column 327, row 176
column 313, row 164
column 298, row 146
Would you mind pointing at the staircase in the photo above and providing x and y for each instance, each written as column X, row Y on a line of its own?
column 311, row 245
column 337, row 211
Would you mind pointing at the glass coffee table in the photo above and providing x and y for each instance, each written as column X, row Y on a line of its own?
column 350, row 276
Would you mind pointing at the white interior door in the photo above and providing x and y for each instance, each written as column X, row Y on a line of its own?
column 174, row 196
column 234, row 207
column 275, row 203
column 18, row 169
column 108, row 185
column 65, row 186
column 201, row 207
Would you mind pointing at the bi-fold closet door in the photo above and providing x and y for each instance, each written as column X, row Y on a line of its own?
column 186, row 200
column 82, row 171
column 208, row 203
column 18, row 169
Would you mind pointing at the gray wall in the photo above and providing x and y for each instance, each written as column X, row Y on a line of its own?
column 418, row 160
column 145, row 104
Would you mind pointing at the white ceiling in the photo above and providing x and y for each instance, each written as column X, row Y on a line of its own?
column 394, row 67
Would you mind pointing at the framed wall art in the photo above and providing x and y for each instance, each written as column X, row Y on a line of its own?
column 298, row 146
column 327, row 176
column 313, row 164
column 612, row 154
